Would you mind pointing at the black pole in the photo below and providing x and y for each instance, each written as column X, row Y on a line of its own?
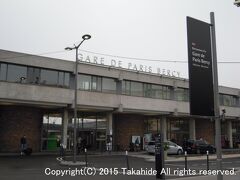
column 207, row 160
column 127, row 160
column 86, row 160
column 185, row 154
column 216, row 99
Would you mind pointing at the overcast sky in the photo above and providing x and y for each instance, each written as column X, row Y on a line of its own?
column 150, row 29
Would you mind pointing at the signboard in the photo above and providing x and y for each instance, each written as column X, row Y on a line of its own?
column 200, row 68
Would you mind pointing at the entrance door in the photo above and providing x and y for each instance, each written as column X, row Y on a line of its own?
column 88, row 138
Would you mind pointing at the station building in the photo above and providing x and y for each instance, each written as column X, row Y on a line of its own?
column 37, row 94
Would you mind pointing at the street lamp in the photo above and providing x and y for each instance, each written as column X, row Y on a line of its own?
column 237, row 3
column 84, row 37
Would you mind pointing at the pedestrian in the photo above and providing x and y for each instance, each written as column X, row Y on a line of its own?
column 23, row 142
column 79, row 145
column 62, row 150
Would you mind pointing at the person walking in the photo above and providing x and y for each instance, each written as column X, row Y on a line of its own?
column 23, row 142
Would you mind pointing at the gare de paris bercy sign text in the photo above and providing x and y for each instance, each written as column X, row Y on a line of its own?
column 126, row 65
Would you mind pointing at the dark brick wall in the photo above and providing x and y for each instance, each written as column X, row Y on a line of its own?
column 205, row 130
column 126, row 126
column 16, row 121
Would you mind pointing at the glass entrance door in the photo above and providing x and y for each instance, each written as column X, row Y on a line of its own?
column 87, row 139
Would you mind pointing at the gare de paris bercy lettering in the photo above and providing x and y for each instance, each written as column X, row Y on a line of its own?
column 127, row 65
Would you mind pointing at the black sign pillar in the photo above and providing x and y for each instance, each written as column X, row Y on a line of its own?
column 200, row 68
column 159, row 157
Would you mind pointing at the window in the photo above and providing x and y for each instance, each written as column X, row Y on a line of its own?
column 63, row 79
column 96, row 83
column 60, row 78
column 228, row 100
column 166, row 92
column 101, row 122
column 84, row 82
column 51, row 132
column 89, row 123
column 3, row 71
column 66, row 79
column 136, row 89
column 126, row 87
column 33, row 75
column 157, row 91
column 147, row 89
column 49, row 77
column 16, row 73
column 152, row 125
column 109, row 85
column 182, row 94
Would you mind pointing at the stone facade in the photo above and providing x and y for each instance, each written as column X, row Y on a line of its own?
column 16, row 121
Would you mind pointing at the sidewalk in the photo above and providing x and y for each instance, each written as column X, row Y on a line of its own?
column 141, row 154
column 170, row 158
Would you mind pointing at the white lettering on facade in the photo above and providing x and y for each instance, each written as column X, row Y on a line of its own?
column 136, row 67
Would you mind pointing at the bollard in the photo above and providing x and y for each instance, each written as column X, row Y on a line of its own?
column 207, row 160
column 85, row 150
column 127, row 160
column 185, row 159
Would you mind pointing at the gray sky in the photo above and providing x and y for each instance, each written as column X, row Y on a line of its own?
column 151, row 29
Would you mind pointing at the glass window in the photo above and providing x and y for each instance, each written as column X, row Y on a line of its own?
column 30, row 75
column 178, row 130
column 136, row 89
column 147, row 90
column 66, row 79
column 96, row 83
column 49, row 77
column 33, row 75
column 89, row 123
column 109, row 85
column 16, row 73
column 182, row 94
column 60, row 78
column 153, row 125
column 228, row 100
column 84, row 82
column 126, row 87
column 101, row 123
column 236, row 133
column 157, row 91
column 3, row 71
column 51, row 132
column 166, row 92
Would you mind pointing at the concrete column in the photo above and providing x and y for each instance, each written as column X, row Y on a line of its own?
column 192, row 129
column 229, row 133
column 110, row 130
column 163, row 127
column 65, row 127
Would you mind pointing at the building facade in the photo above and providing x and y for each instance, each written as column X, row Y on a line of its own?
column 114, row 105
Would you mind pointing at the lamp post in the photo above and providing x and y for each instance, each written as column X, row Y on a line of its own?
column 76, row 47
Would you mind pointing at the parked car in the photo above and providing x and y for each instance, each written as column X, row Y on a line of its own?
column 173, row 148
column 198, row 146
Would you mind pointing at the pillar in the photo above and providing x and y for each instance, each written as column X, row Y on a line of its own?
column 64, row 127
column 163, row 126
column 192, row 129
column 229, row 133
column 110, row 131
